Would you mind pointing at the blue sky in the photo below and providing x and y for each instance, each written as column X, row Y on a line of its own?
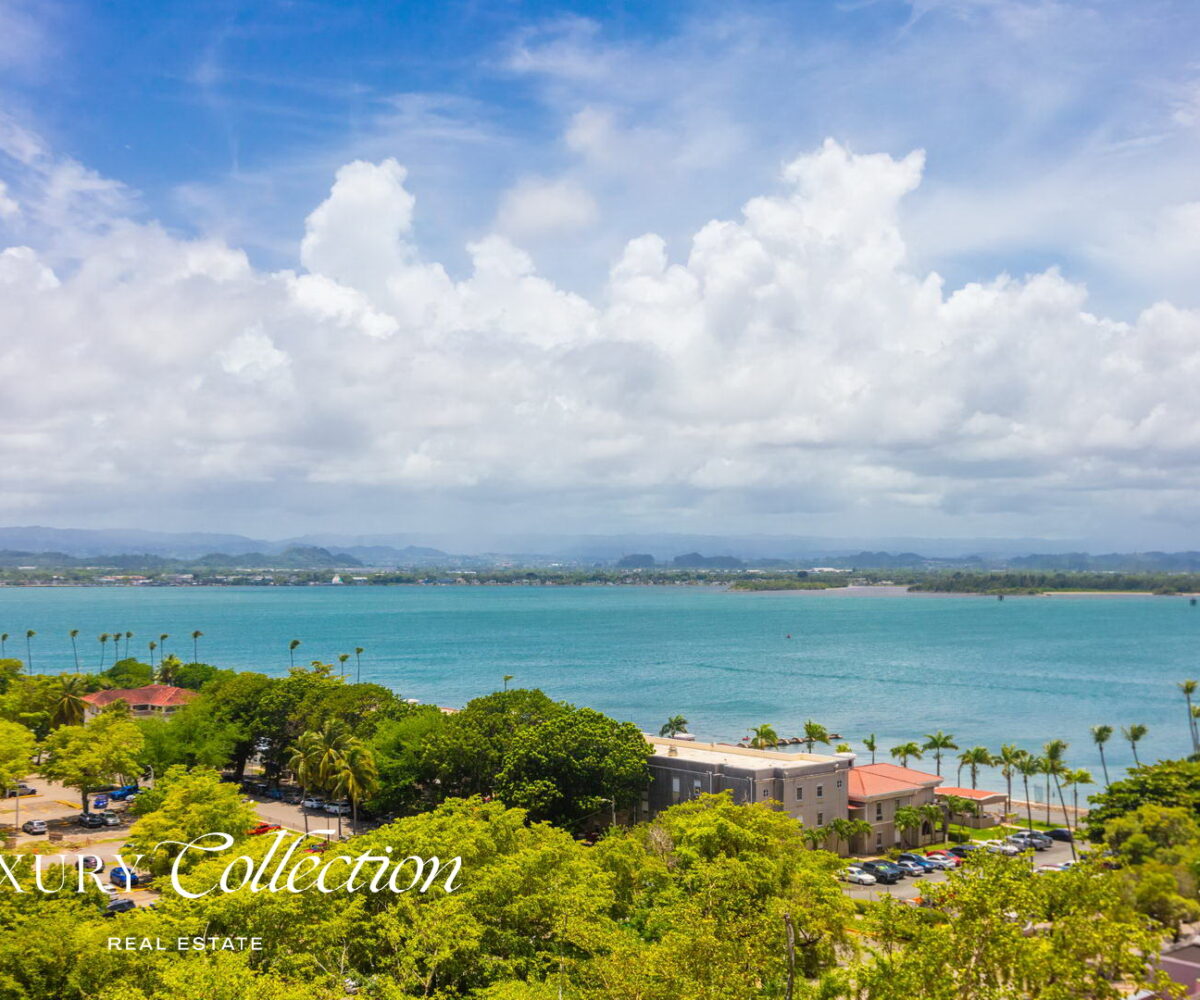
column 1059, row 139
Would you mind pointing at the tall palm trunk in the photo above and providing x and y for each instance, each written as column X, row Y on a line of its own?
column 1103, row 764
column 1028, row 804
column 1066, row 819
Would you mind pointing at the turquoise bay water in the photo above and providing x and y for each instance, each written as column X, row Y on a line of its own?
column 1023, row 670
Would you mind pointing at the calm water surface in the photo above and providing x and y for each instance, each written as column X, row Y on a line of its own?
column 1023, row 670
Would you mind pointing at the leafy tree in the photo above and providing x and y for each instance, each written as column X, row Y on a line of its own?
column 405, row 778
column 566, row 768
column 908, row 819
column 465, row 755
column 104, row 751
column 191, row 803
column 129, row 673
column 17, row 746
column 195, row 675
column 10, row 670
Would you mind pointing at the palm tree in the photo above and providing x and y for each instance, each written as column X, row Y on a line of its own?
column 1189, row 688
column 954, row 805
column 974, row 759
column 1100, row 736
column 931, row 813
column 937, row 742
column 3, row 643
column 840, row 829
column 1075, row 778
column 29, row 634
column 74, row 634
column 128, row 636
column 1007, row 759
column 907, row 818
column 507, row 678
column 304, row 763
column 292, row 651
column 153, row 646
column 814, row 732
column 103, row 647
column 67, row 705
column 1055, row 766
column 195, row 645
column 342, row 658
column 358, row 652
column 674, row 725
column 162, row 645
column 871, row 745
column 1133, row 735
column 764, row 736
column 906, row 750
column 1028, row 766
column 355, row 777
column 814, row 836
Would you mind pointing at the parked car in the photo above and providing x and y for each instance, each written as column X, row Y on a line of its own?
column 291, row 795
column 1040, row 840
column 952, row 860
column 883, row 870
column 34, row 826
column 97, row 862
column 1024, row 842
column 19, row 790
column 338, row 808
column 911, row 868
column 1044, row 869
column 110, row 818
column 126, row 878
column 92, row 821
column 856, row 875
column 262, row 828
column 124, row 792
column 1062, row 834
column 927, row 864
column 1000, row 847
column 119, row 906
column 100, row 803
column 312, row 802
column 963, row 850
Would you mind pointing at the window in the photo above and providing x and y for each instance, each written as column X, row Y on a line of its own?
column 878, row 810
column 766, row 791
column 820, row 791
column 695, row 787
column 878, row 840
column 839, row 784
column 675, row 788
column 820, row 819
column 799, row 793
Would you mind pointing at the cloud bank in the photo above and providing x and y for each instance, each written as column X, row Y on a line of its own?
column 789, row 369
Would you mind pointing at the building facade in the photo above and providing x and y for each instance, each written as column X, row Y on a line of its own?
column 811, row 788
column 876, row 791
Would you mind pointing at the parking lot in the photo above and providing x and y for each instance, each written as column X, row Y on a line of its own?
column 910, row 888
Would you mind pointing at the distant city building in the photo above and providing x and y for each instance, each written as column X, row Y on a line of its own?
column 811, row 788
column 151, row 700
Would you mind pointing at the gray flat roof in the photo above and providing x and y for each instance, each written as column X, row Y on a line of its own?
column 720, row 753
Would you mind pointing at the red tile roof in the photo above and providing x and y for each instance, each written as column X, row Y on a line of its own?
column 970, row 793
column 158, row 695
column 882, row 780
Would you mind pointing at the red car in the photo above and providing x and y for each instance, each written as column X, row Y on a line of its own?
column 945, row 856
column 263, row 828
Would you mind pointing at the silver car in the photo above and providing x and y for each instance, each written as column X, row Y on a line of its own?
column 857, row 876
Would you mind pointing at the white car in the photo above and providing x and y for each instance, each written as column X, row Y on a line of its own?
column 312, row 802
column 338, row 808
column 999, row 847
column 857, row 876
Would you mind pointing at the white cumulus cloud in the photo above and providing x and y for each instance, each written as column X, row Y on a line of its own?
column 790, row 365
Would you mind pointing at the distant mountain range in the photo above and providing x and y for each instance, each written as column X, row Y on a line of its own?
column 152, row 550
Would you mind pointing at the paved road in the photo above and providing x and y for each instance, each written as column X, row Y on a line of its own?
column 910, row 888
